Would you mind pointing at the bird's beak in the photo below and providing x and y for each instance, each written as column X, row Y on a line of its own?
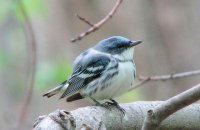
column 134, row 43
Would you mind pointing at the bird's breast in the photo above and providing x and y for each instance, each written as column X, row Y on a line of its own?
column 124, row 79
column 118, row 82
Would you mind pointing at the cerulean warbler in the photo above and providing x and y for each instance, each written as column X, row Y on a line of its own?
column 102, row 72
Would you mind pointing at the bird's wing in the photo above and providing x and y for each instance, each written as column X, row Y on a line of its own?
column 86, row 69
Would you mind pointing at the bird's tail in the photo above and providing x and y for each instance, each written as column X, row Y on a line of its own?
column 55, row 90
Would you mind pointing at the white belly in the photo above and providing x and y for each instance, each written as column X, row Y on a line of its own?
column 120, row 83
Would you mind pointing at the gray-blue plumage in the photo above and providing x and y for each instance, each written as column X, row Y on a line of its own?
column 113, row 45
column 82, row 75
column 95, row 70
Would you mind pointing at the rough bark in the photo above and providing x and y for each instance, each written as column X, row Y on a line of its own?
column 98, row 118
column 155, row 116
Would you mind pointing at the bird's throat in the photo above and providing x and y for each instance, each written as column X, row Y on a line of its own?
column 126, row 55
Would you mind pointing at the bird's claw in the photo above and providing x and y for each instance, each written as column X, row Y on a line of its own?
column 113, row 103
column 109, row 105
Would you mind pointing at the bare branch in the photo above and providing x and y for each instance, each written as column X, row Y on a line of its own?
column 171, row 76
column 99, row 118
column 99, row 24
column 84, row 20
column 144, row 79
column 156, row 115
column 139, row 84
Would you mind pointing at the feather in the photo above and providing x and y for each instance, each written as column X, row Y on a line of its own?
column 74, row 97
column 55, row 90
column 87, row 69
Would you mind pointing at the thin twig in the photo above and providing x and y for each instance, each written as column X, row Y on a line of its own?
column 140, row 83
column 84, row 20
column 32, row 66
column 99, row 24
column 172, row 76
column 144, row 79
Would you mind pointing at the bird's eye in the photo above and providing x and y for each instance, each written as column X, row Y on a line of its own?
column 120, row 45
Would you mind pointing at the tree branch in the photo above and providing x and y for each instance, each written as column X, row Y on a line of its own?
column 84, row 20
column 99, row 24
column 156, row 115
column 94, row 117
column 171, row 76
column 145, row 79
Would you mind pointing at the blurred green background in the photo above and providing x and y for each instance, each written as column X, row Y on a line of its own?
column 169, row 30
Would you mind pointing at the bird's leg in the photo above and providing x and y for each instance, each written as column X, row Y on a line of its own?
column 116, row 104
column 108, row 104
column 96, row 102
column 105, row 105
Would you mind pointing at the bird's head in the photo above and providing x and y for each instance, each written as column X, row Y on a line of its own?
column 118, row 46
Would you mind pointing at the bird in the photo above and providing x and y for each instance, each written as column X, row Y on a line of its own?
column 102, row 72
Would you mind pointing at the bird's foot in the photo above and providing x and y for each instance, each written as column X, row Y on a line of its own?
column 115, row 104
column 97, row 103
column 109, row 105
